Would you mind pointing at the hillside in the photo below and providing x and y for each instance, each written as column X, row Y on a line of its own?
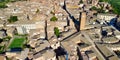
column 116, row 6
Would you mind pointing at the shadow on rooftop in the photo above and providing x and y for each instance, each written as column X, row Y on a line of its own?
column 76, row 23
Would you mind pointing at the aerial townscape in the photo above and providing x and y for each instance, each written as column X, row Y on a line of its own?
column 59, row 29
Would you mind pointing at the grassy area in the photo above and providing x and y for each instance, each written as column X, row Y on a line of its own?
column 17, row 43
column 115, row 4
column 56, row 31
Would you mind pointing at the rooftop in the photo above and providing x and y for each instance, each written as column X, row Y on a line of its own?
column 69, row 46
column 97, row 54
column 2, row 57
column 107, row 14
column 116, row 33
column 94, row 36
column 41, row 45
column 24, row 54
column 47, row 54
column 36, row 18
column 113, row 58
column 106, row 52
column 91, row 54
column 110, row 40
column 83, row 45
column 116, row 45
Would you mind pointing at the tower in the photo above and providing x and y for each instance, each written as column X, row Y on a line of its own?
column 82, row 20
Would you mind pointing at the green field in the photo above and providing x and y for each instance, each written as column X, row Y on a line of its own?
column 17, row 43
column 116, row 6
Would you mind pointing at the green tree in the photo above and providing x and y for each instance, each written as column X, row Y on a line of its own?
column 81, row 2
column 3, row 5
column 37, row 11
column 56, row 31
column 54, row 18
column 93, row 8
column 115, row 5
column 52, row 13
column 13, row 19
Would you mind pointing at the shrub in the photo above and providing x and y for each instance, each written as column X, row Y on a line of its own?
column 53, row 18
column 56, row 31
column 13, row 19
